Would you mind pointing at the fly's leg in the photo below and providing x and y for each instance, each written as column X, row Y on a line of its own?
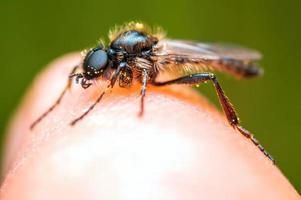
column 57, row 102
column 224, row 101
column 143, row 90
column 89, row 109
column 111, row 85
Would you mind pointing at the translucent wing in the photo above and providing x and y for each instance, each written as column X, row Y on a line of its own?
column 190, row 57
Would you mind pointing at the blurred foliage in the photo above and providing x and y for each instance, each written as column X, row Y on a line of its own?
column 35, row 32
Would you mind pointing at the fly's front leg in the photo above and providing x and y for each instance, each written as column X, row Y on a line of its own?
column 224, row 101
column 110, row 85
column 143, row 90
column 57, row 102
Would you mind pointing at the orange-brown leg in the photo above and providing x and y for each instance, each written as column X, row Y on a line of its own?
column 224, row 101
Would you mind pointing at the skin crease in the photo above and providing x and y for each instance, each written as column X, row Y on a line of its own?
column 182, row 148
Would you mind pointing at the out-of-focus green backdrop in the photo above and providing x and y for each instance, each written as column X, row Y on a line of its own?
column 35, row 32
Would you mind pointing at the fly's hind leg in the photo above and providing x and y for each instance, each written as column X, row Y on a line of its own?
column 224, row 101
column 57, row 102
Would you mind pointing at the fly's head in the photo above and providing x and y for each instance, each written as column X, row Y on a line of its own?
column 96, row 61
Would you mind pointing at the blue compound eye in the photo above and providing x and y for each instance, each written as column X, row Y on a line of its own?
column 96, row 60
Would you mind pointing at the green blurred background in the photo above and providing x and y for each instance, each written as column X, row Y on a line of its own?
column 35, row 32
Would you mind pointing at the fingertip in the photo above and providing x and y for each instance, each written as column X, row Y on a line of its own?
column 182, row 147
column 39, row 96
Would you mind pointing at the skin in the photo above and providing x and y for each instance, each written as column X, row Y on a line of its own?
column 182, row 148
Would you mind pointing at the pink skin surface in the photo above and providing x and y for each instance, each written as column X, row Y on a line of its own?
column 182, row 148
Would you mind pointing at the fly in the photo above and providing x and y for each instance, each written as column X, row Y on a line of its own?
column 136, row 54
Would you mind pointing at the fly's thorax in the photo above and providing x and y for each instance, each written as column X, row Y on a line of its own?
column 133, row 42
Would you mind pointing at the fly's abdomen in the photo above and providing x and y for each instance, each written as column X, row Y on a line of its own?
column 238, row 68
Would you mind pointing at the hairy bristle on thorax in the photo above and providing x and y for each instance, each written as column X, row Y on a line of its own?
column 138, row 26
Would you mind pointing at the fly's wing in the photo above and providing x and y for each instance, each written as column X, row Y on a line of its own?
column 186, row 57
